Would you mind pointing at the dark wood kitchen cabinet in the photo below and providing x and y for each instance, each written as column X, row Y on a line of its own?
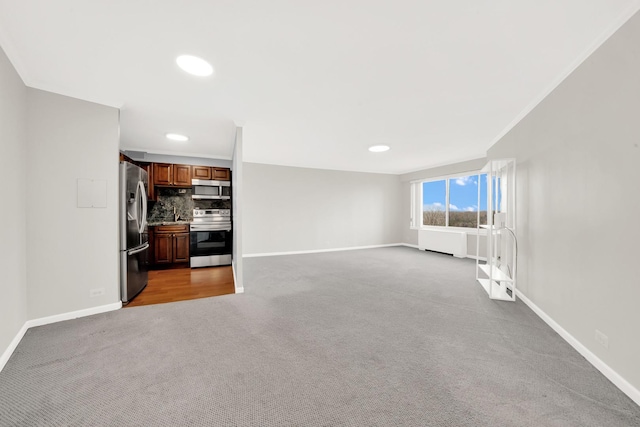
column 162, row 174
column 182, row 175
column 221, row 174
column 151, row 188
column 147, row 167
column 170, row 175
column 181, row 247
column 171, row 246
column 207, row 172
column 200, row 172
column 162, row 244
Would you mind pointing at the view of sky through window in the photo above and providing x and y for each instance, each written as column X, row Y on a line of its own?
column 434, row 199
column 463, row 200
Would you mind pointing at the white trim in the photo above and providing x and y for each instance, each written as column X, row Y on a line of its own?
column 12, row 346
column 412, row 200
column 53, row 319
column 447, row 177
column 428, row 167
column 239, row 290
column 315, row 251
column 73, row 314
column 472, row 231
column 603, row 37
column 409, row 245
column 605, row 369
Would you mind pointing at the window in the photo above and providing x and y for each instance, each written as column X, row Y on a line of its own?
column 434, row 200
column 463, row 200
column 452, row 202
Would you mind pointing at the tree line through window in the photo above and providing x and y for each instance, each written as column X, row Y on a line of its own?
column 453, row 202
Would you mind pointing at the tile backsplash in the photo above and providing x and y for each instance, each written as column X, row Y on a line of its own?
column 180, row 199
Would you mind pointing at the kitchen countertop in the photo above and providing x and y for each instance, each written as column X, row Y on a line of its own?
column 156, row 223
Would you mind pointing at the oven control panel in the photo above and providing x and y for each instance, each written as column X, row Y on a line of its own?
column 212, row 213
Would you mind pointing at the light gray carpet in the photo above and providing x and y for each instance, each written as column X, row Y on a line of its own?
column 382, row 337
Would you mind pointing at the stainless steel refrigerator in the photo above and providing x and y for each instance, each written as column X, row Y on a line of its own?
column 134, row 236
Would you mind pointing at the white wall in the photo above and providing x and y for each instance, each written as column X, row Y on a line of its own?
column 13, row 175
column 70, row 250
column 289, row 209
column 578, row 155
column 238, row 206
column 410, row 236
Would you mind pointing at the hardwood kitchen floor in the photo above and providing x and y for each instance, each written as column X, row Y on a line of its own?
column 184, row 284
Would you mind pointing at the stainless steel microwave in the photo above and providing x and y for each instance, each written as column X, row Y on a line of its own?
column 207, row 189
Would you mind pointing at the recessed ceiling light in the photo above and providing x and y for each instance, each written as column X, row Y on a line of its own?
column 194, row 65
column 378, row 148
column 177, row 137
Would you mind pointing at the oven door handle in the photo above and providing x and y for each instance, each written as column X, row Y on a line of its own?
column 208, row 228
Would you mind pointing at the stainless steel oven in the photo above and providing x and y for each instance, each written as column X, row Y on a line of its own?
column 210, row 237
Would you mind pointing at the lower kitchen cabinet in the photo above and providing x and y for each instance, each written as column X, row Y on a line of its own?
column 170, row 246
column 181, row 247
column 162, row 248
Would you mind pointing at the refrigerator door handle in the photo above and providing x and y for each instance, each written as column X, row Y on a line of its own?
column 136, row 208
column 138, row 250
column 141, row 206
column 143, row 196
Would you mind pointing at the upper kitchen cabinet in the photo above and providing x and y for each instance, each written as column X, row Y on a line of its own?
column 162, row 174
column 200, row 172
column 207, row 172
column 182, row 175
column 148, row 167
column 221, row 174
column 167, row 174
column 151, row 187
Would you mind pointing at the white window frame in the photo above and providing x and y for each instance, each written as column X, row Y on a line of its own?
column 417, row 202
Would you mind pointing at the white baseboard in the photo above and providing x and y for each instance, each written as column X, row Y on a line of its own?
column 73, row 314
column 605, row 369
column 239, row 289
column 409, row 245
column 475, row 257
column 52, row 319
column 316, row 251
column 12, row 346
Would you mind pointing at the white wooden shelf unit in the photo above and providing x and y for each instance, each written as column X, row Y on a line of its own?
column 497, row 274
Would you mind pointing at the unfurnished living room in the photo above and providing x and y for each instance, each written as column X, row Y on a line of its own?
column 425, row 213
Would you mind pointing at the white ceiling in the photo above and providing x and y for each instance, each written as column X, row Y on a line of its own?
column 313, row 83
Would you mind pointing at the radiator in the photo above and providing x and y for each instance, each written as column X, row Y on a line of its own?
column 446, row 241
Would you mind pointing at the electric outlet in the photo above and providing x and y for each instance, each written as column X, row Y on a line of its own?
column 96, row 292
column 602, row 339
